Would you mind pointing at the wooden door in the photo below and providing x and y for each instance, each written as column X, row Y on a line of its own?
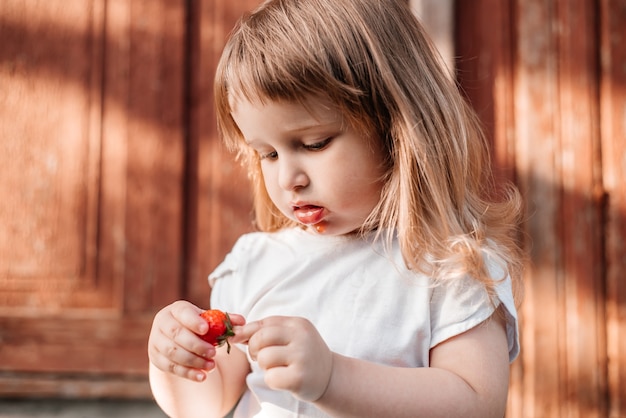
column 548, row 80
column 110, row 183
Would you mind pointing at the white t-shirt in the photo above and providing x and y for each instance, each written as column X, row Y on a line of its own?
column 365, row 304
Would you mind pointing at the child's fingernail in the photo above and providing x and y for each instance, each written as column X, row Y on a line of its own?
column 200, row 377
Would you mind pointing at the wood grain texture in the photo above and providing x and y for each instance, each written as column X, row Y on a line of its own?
column 222, row 199
column 93, row 144
column 547, row 80
column 613, row 134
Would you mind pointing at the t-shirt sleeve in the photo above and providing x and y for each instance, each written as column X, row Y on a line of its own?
column 461, row 305
column 224, row 286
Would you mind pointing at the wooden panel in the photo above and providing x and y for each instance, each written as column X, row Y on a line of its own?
column 74, row 345
column 557, row 140
column 73, row 357
column 580, row 212
column 613, row 128
column 484, row 69
column 221, row 209
column 93, row 156
column 531, row 70
column 50, row 385
column 50, row 155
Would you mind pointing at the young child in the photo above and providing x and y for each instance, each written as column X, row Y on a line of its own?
column 381, row 281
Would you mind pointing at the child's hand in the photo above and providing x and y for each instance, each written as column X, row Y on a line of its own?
column 174, row 345
column 292, row 353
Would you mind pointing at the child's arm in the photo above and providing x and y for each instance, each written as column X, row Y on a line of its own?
column 188, row 376
column 468, row 374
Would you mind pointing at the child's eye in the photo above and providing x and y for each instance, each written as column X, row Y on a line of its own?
column 317, row 146
column 269, row 155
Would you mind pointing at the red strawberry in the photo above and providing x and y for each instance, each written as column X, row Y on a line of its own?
column 220, row 328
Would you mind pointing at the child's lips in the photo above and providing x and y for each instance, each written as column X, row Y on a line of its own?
column 309, row 214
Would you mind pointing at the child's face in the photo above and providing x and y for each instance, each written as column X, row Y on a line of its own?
column 317, row 170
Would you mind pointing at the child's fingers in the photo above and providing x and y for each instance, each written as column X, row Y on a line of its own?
column 245, row 332
column 236, row 319
column 175, row 335
column 177, row 354
column 189, row 316
column 169, row 332
column 170, row 356
column 167, row 364
column 265, row 331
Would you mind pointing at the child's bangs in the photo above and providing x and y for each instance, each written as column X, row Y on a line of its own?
column 263, row 70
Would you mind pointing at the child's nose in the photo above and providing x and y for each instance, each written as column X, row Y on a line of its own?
column 292, row 175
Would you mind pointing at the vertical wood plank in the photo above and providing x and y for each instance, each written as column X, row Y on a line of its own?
column 557, row 78
column 536, row 150
column 93, row 172
column 155, row 154
column 484, row 69
column 613, row 133
column 580, row 223
column 223, row 200
column 114, row 151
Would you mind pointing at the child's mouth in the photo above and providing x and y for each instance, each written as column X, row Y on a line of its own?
column 309, row 214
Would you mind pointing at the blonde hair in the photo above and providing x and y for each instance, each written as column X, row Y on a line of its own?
column 373, row 59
